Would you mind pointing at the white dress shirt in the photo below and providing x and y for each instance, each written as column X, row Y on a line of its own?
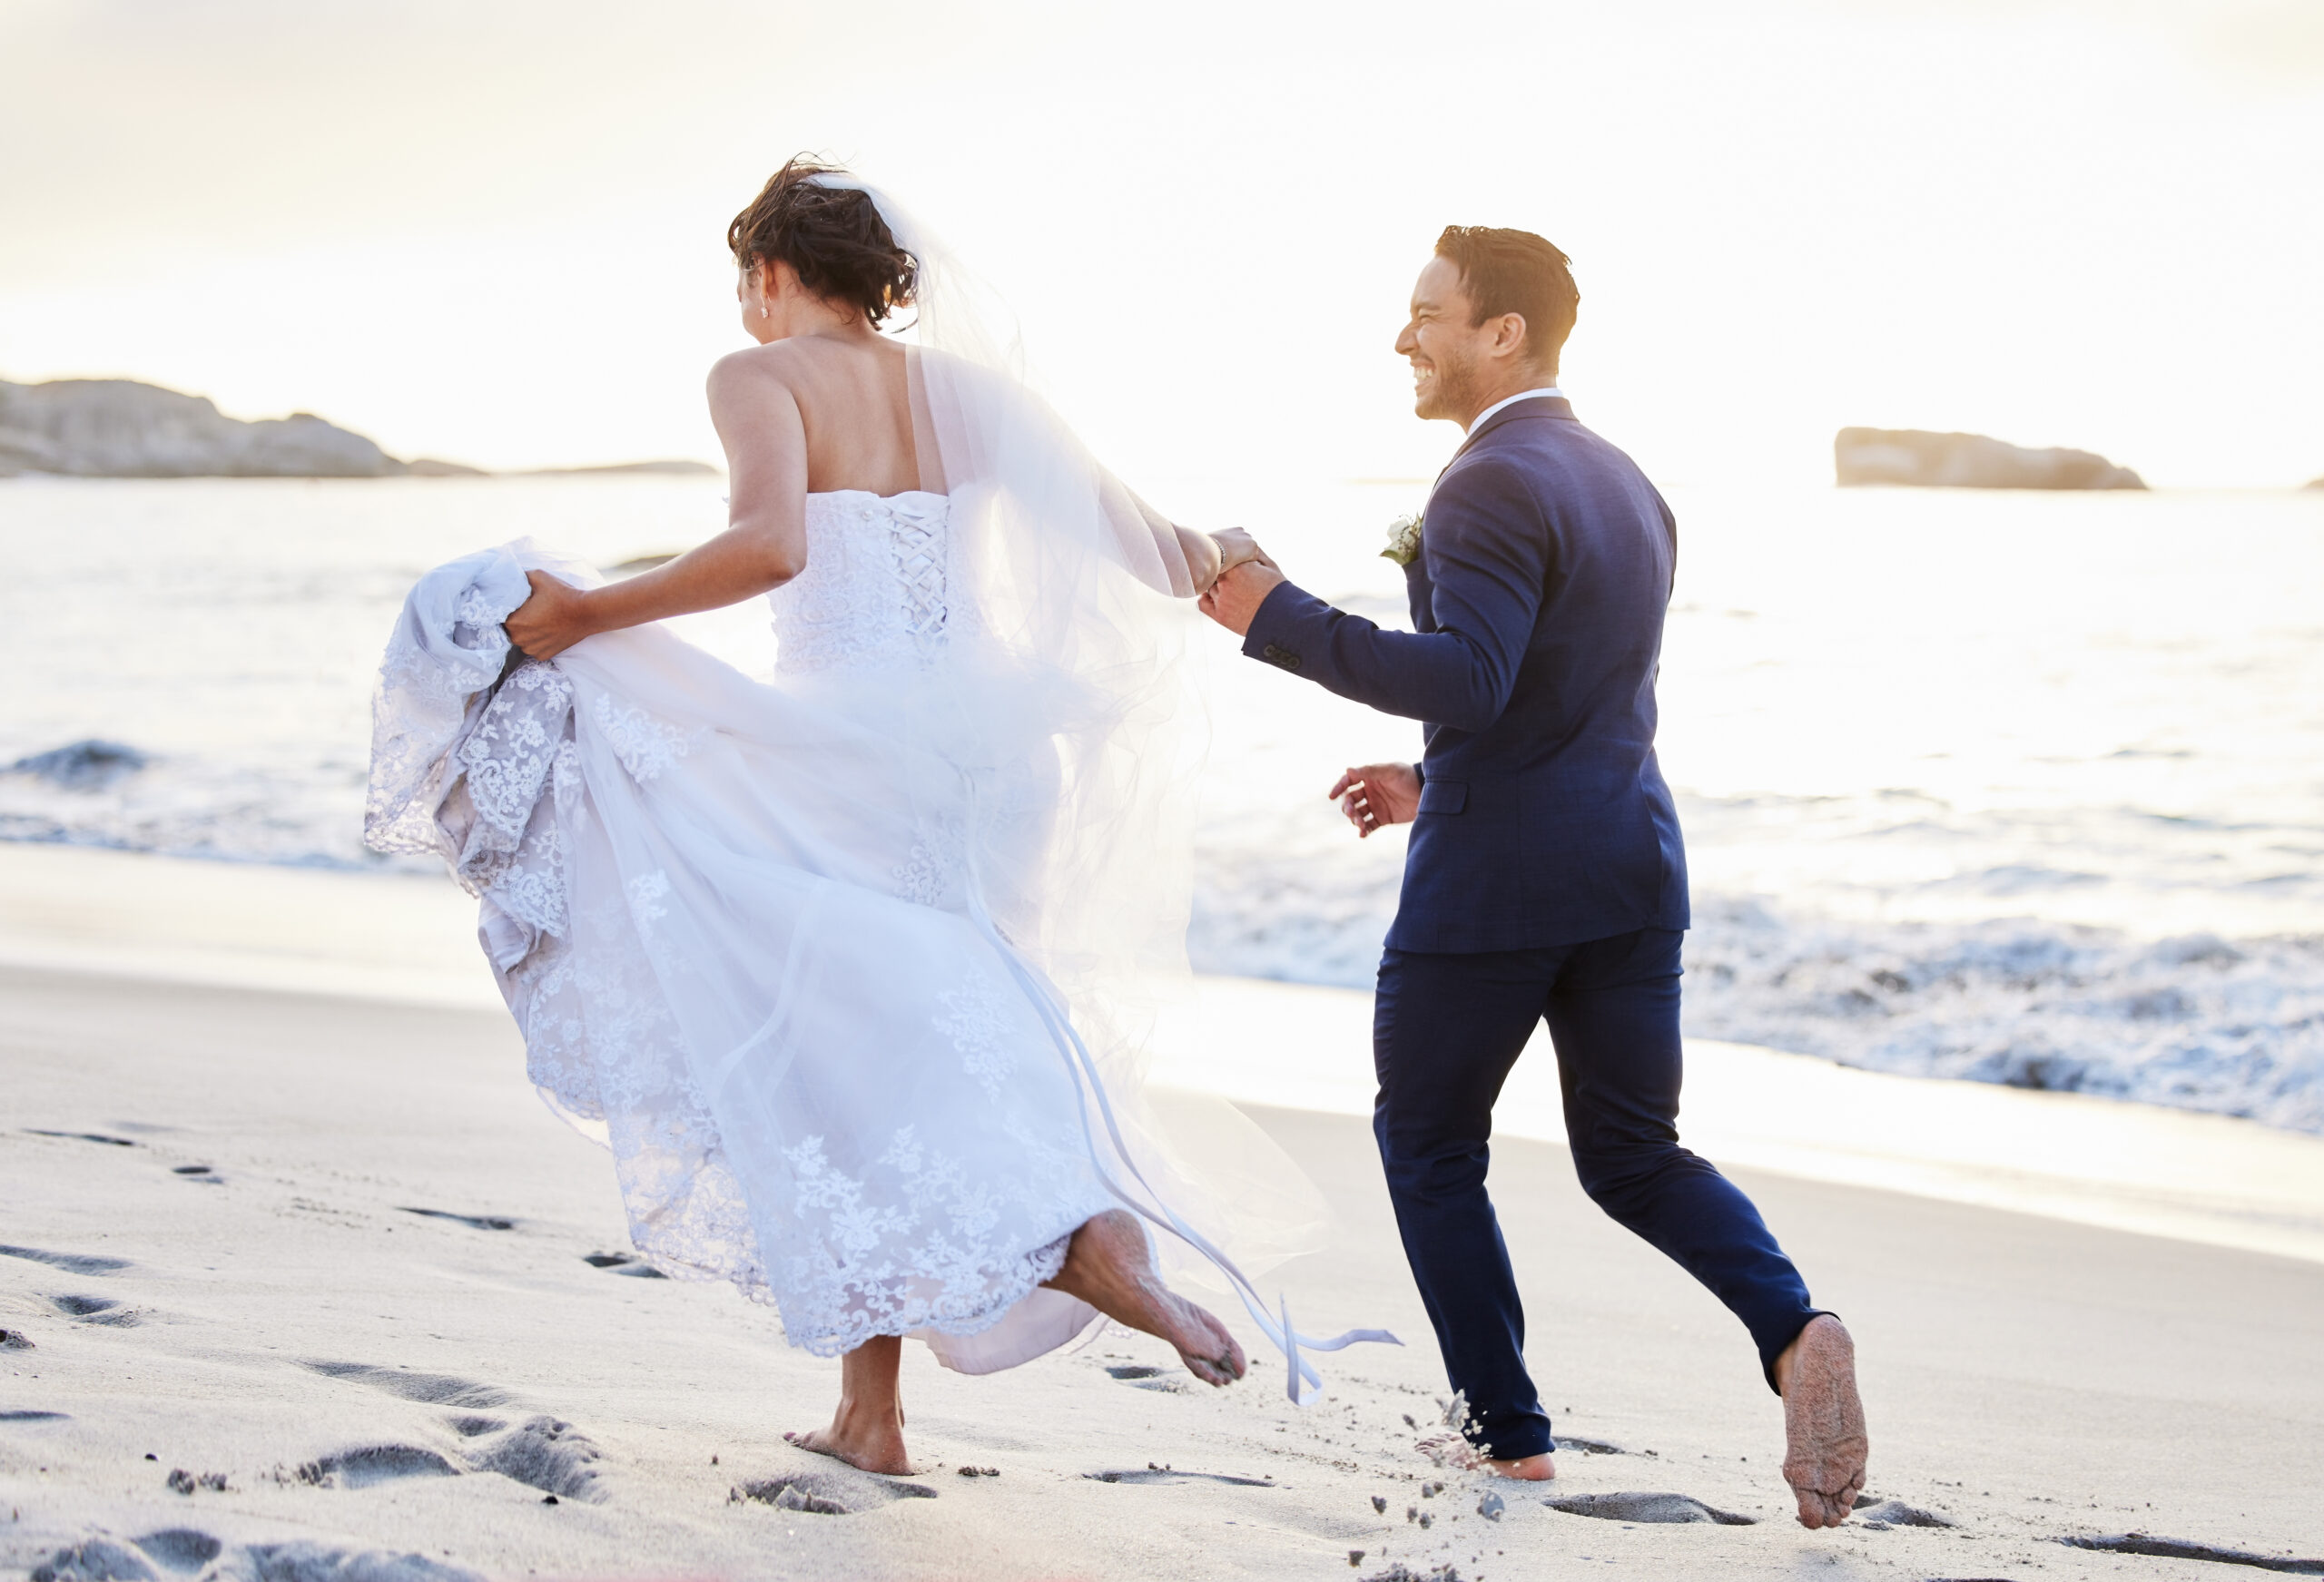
column 1512, row 400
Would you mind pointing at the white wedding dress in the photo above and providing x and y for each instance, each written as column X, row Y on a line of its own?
column 758, row 937
column 853, row 968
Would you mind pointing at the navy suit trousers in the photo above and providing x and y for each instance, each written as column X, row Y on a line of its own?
column 1446, row 1030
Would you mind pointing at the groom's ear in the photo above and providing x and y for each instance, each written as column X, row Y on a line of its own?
column 1509, row 338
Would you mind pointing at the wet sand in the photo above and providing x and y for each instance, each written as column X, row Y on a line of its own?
column 334, row 1256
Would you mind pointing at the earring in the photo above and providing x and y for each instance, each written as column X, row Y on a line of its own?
column 763, row 313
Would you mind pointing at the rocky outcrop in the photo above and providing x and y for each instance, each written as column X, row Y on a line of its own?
column 1968, row 461
column 119, row 428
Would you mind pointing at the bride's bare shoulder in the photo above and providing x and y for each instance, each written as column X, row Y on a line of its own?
column 775, row 363
column 797, row 365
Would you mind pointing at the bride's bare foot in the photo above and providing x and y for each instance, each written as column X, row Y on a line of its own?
column 1111, row 1266
column 1825, row 1446
column 867, row 1430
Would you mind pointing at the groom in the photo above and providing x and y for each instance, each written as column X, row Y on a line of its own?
column 1545, row 879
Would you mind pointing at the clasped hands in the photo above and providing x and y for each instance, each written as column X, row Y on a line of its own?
column 1246, row 576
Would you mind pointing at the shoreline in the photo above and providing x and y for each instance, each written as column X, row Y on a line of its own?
column 409, row 940
column 332, row 1265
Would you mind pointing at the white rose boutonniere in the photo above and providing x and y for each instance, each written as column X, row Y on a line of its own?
column 1404, row 541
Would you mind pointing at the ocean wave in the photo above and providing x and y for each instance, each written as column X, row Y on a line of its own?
column 2232, row 1026
column 2196, row 1021
column 2229, row 1025
column 96, row 793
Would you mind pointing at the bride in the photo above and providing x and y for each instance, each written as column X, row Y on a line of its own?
column 851, row 967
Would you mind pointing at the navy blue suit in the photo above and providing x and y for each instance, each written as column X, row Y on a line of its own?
column 1545, row 881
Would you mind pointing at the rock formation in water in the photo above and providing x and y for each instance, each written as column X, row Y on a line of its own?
column 119, row 428
column 1968, row 461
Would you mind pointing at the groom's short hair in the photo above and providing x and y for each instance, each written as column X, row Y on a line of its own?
column 1516, row 271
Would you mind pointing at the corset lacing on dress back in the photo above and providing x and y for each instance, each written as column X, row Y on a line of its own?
column 874, row 592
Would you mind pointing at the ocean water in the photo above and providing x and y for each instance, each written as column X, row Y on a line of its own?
column 2011, row 787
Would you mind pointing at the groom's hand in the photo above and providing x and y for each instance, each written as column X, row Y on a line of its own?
column 1235, row 546
column 1377, row 795
column 1234, row 600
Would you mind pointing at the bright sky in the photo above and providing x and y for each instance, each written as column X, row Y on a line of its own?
column 494, row 232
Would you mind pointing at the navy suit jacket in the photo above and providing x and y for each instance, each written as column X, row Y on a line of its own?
column 1537, row 600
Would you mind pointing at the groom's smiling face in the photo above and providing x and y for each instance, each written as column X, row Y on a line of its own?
column 1449, row 353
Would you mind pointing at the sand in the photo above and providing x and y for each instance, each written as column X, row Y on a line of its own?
column 223, row 1188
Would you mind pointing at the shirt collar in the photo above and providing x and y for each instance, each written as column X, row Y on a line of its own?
column 1512, row 400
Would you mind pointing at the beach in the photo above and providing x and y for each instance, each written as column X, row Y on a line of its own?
column 1942, row 679
column 327, row 1249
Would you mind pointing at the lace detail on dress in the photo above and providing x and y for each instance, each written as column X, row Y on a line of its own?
column 505, row 763
column 976, row 1020
column 876, row 588
column 645, row 745
column 939, row 1214
column 929, row 877
column 446, row 650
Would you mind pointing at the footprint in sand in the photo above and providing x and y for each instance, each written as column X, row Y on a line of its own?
column 201, row 1174
column 542, row 1452
column 1153, row 1474
column 15, row 1341
column 180, row 1548
column 94, row 1309
column 83, row 1137
column 1881, row 1514
column 70, row 1263
column 546, row 1454
column 1647, row 1508
column 311, row 1562
column 2183, row 1549
column 185, row 1550
column 431, row 1389
column 94, row 1561
column 473, row 1222
column 821, row 1493
column 33, row 1417
column 1588, row 1446
column 361, row 1469
column 622, row 1263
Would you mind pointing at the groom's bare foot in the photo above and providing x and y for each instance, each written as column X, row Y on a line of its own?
column 1452, row 1449
column 1824, row 1446
column 1111, row 1266
column 861, row 1441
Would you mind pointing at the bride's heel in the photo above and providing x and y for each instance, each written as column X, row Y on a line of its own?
column 1109, row 1264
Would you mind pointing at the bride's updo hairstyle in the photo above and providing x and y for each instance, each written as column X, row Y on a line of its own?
column 833, row 237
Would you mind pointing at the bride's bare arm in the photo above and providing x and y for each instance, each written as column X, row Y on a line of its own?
column 1185, row 562
column 764, row 545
